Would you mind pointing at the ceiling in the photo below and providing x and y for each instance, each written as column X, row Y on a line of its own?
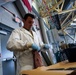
column 63, row 8
column 61, row 12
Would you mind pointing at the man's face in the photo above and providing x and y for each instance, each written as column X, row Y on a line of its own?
column 28, row 23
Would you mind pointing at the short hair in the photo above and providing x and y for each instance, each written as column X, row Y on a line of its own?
column 28, row 15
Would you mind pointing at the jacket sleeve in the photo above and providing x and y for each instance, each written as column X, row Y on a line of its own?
column 15, row 43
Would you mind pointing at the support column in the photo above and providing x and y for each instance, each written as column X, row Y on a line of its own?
column 43, row 30
column 50, row 55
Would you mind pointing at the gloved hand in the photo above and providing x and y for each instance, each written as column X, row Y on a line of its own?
column 35, row 47
column 46, row 46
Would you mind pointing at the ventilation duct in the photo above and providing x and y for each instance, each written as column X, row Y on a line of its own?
column 22, row 9
column 3, row 32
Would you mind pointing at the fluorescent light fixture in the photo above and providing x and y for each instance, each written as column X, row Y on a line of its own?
column 73, row 23
column 3, row 32
column 4, row 59
column 74, row 19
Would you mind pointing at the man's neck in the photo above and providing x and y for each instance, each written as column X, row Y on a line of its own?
column 26, row 28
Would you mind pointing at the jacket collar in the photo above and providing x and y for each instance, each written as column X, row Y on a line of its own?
column 27, row 32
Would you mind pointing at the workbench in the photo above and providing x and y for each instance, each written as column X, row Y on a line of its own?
column 60, row 68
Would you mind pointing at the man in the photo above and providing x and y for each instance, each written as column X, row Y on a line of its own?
column 23, row 41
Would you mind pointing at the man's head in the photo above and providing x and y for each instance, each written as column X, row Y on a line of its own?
column 28, row 21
